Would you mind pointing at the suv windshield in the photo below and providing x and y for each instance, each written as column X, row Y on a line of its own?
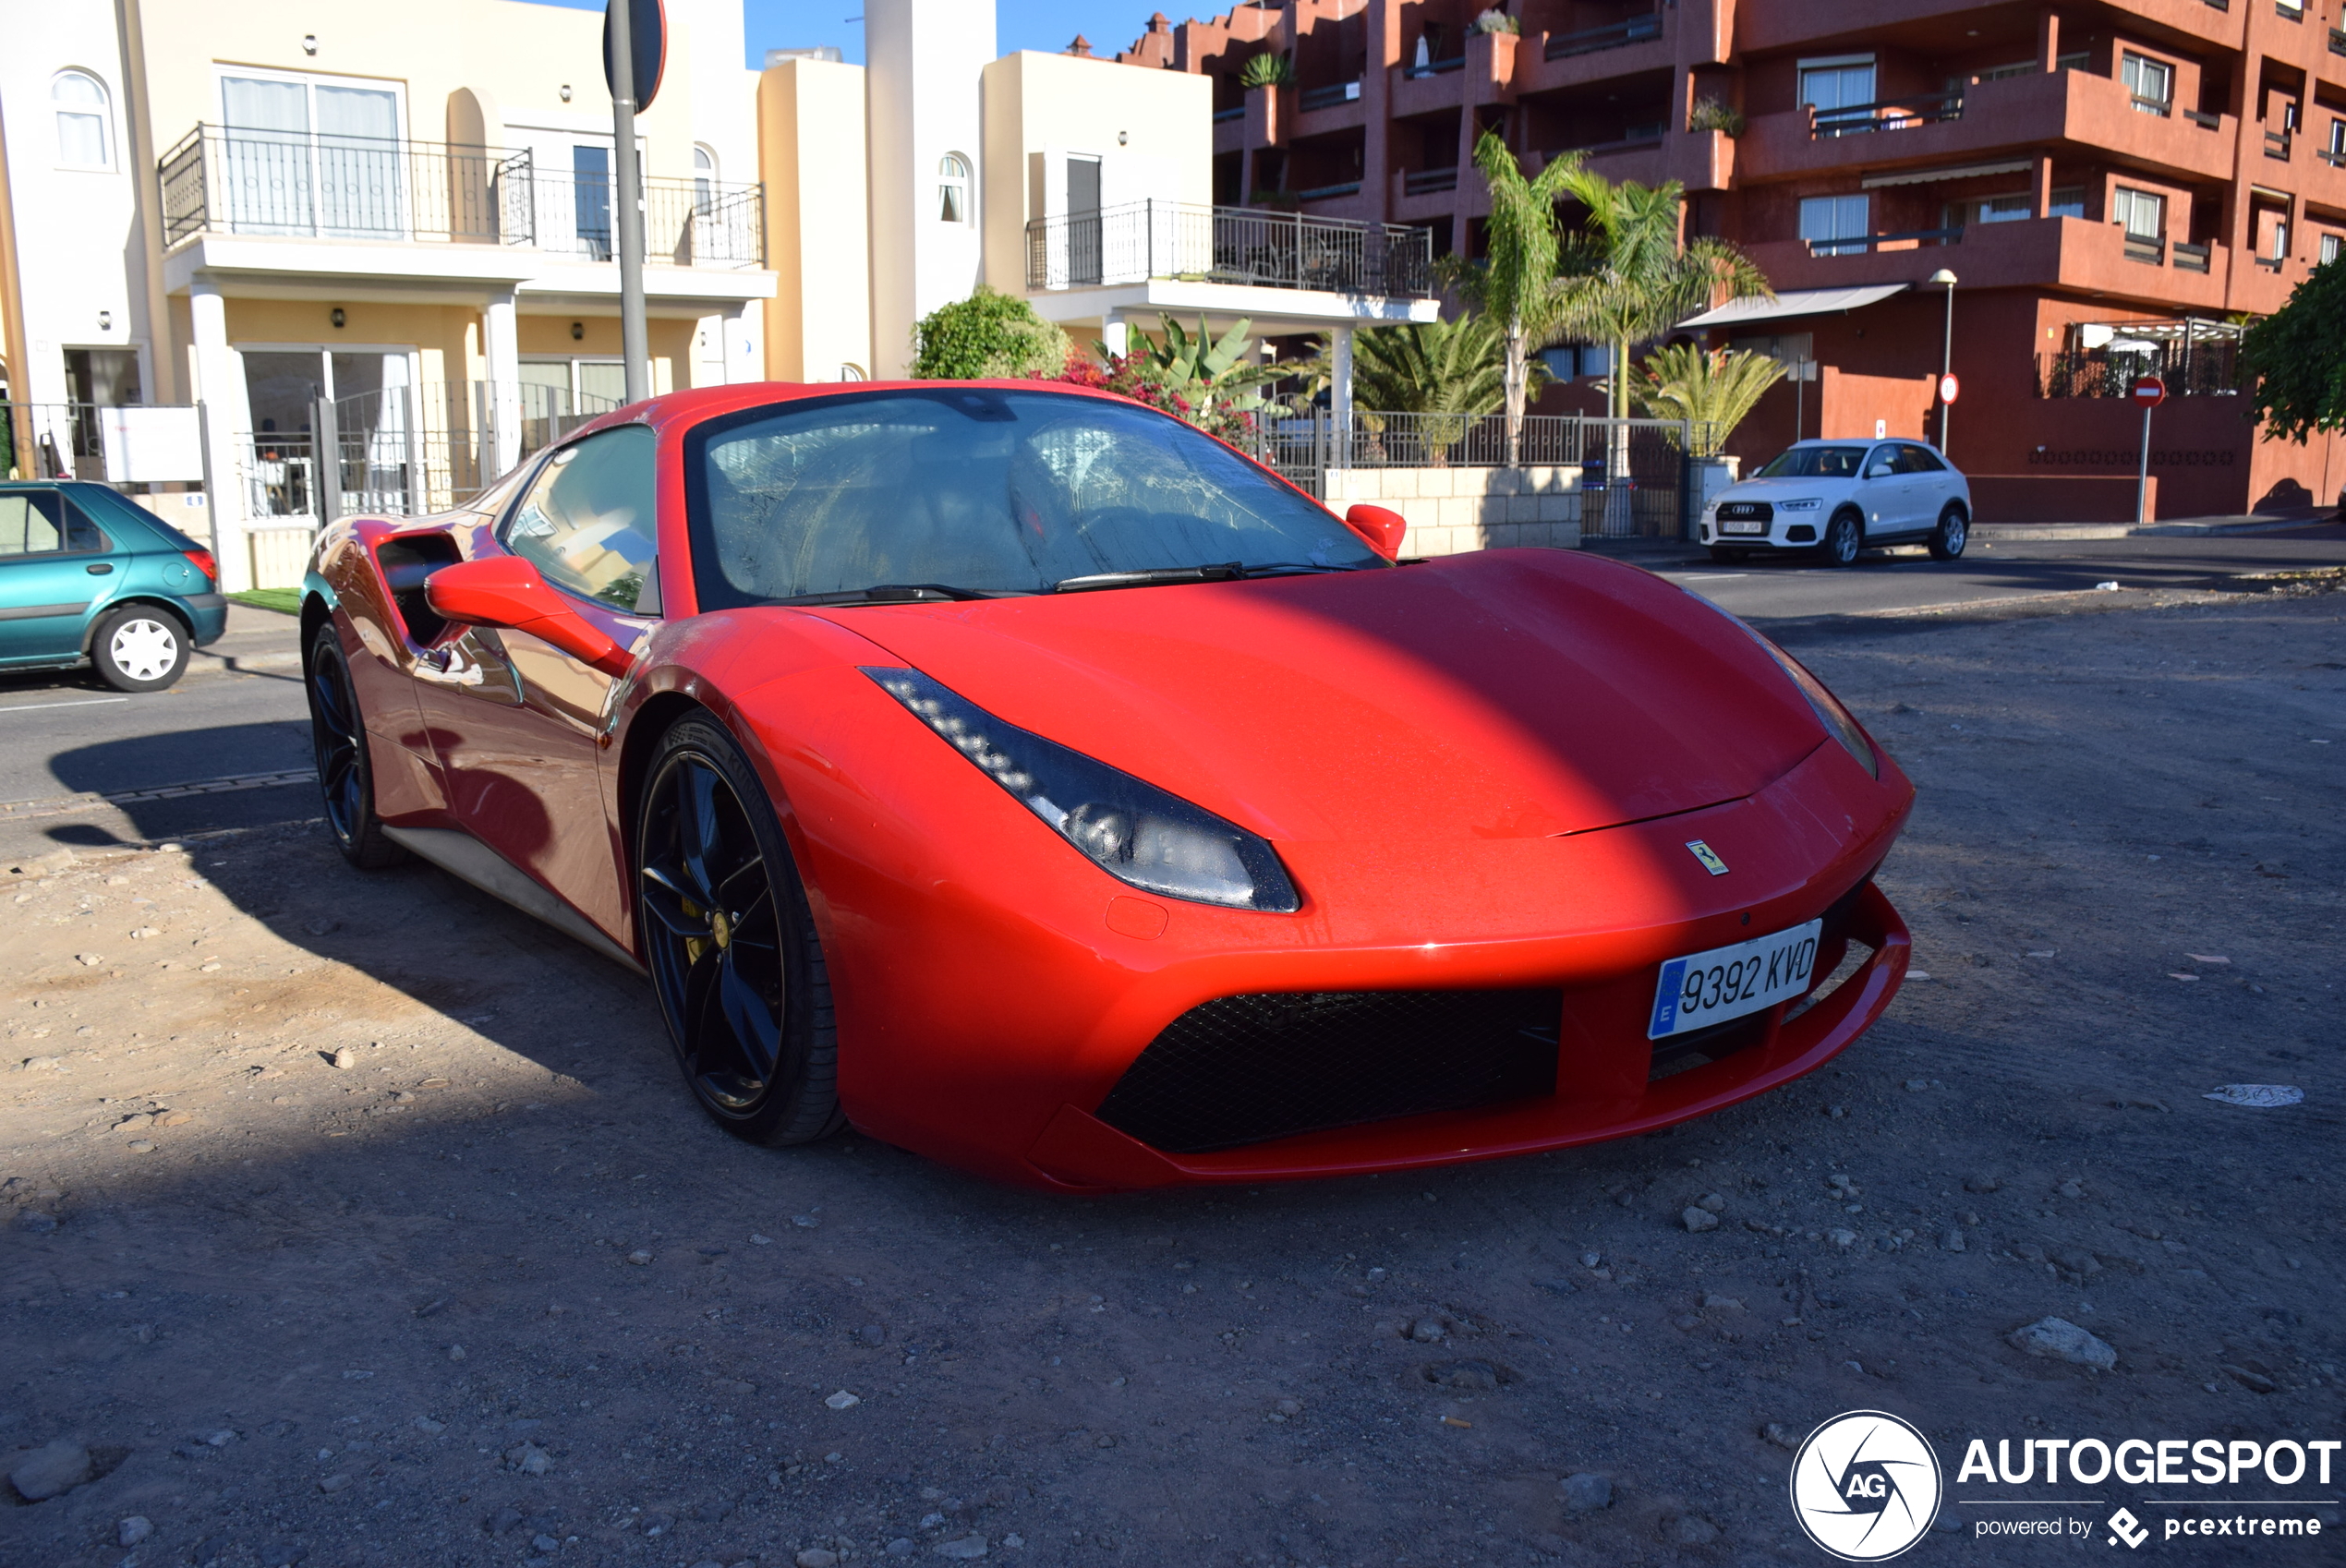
column 1816, row 463
column 982, row 491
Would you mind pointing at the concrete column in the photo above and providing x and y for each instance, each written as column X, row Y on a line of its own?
column 1114, row 333
column 218, row 387
column 2047, row 39
column 2042, row 186
column 502, row 343
column 1340, row 393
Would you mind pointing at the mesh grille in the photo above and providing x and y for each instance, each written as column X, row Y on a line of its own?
column 1245, row 1069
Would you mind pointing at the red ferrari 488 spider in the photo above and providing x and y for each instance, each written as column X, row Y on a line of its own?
column 1036, row 783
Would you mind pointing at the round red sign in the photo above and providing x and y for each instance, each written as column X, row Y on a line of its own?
column 1948, row 387
column 2147, row 390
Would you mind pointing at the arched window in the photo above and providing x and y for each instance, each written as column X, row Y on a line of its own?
column 704, row 179
column 85, row 138
column 953, row 188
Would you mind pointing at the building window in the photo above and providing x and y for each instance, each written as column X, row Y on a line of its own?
column 2331, row 247
column 2281, row 237
column 2142, row 214
column 704, row 180
column 952, row 189
column 85, row 127
column 1991, row 209
column 2068, row 201
column 1835, row 225
column 1845, row 83
column 2151, row 81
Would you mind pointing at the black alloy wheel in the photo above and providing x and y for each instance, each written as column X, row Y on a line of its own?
column 1954, row 532
column 1845, row 536
column 730, row 944
column 345, row 770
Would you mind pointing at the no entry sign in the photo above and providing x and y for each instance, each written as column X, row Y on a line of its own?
column 2148, row 391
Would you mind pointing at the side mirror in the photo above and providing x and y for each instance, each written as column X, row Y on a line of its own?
column 506, row 590
column 1382, row 527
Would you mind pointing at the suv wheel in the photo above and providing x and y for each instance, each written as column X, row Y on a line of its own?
column 1954, row 532
column 1845, row 536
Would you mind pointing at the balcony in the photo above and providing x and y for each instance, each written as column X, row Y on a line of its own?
column 1862, row 244
column 1427, row 182
column 1330, row 97
column 2011, row 115
column 2067, row 253
column 1633, row 29
column 283, row 183
column 1153, row 239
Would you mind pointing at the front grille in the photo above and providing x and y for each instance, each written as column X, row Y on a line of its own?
column 1746, row 511
column 1245, row 1069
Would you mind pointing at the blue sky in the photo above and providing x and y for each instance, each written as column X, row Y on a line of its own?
column 1046, row 25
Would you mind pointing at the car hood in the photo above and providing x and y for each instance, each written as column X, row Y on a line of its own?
column 1510, row 693
column 1768, row 490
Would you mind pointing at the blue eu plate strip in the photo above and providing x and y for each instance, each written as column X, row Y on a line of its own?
column 1665, row 1001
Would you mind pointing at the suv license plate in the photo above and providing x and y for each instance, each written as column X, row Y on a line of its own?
column 1738, row 525
column 1702, row 989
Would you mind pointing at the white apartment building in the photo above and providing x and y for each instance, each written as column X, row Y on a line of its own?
column 375, row 242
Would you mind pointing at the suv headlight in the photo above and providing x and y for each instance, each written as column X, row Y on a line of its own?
column 1807, row 505
column 1127, row 826
column 1827, row 707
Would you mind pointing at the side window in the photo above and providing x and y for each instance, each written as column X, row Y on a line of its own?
column 1919, row 460
column 1883, row 461
column 33, row 522
column 586, row 522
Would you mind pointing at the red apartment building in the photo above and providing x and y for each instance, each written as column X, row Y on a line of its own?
column 2109, row 183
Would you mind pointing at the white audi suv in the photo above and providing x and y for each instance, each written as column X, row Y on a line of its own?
column 1837, row 498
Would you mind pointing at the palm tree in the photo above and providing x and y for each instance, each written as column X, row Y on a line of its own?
column 1444, row 371
column 1627, row 276
column 1517, row 281
column 1712, row 390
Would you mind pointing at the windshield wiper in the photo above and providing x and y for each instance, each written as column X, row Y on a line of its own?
column 1222, row 572
column 888, row 593
column 1279, row 568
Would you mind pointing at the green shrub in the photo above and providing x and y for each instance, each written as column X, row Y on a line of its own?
column 988, row 336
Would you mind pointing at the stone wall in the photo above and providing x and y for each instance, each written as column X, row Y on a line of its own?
column 1451, row 510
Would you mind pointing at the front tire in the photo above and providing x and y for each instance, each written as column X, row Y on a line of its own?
column 140, row 648
column 1845, row 536
column 1954, row 532
column 346, row 768
column 730, row 944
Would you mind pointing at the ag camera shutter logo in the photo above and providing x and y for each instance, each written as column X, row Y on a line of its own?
column 1866, row 1486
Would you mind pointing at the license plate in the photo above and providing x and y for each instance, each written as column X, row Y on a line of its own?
column 1702, row 989
column 1737, row 526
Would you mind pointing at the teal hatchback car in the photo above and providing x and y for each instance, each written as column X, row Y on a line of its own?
column 88, row 573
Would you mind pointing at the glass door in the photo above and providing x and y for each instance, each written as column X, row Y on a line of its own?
column 265, row 146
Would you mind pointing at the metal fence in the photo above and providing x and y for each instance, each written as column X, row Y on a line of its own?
column 1226, row 245
column 250, row 182
column 2190, row 369
column 1633, row 482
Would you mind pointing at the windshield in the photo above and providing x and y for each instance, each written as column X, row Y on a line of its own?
column 1816, row 463
column 984, row 490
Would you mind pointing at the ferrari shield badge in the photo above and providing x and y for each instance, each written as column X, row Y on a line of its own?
column 1707, row 856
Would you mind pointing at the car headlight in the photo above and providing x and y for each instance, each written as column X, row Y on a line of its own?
column 1807, row 505
column 1128, row 827
column 1827, row 707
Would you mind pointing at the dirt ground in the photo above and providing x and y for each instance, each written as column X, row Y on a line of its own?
column 495, row 1293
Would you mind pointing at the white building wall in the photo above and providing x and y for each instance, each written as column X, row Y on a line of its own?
column 76, row 227
column 924, row 59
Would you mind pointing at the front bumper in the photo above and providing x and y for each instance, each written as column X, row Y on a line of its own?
column 1799, row 532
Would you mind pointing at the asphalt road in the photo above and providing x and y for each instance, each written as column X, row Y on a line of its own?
column 238, row 727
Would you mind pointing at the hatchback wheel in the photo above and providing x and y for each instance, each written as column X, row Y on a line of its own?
column 1844, row 536
column 1954, row 532
column 139, row 648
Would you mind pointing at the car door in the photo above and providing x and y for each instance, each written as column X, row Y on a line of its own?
column 517, row 724
column 1883, row 492
column 54, row 563
column 1932, row 482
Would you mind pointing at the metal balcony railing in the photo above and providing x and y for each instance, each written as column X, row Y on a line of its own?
column 222, row 180
column 1856, row 119
column 2203, row 368
column 2277, row 144
column 1425, row 182
column 2190, row 258
column 1634, row 29
column 1859, row 244
column 2149, row 249
column 1436, row 68
column 1226, row 245
column 1331, row 96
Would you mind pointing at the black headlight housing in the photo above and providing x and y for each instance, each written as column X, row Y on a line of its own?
column 1127, row 826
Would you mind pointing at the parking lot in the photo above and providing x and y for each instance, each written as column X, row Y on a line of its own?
column 359, row 1220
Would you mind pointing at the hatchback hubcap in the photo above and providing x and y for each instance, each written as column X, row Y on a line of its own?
column 143, row 649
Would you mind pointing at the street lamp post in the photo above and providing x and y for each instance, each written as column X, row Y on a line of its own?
column 1946, row 280
column 635, row 346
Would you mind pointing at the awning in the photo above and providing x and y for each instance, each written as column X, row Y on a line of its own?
column 1793, row 302
column 1931, row 176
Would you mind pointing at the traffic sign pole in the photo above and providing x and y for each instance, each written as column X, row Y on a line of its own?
column 634, row 338
column 2150, row 391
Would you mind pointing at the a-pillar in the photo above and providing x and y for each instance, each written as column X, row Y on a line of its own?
column 500, row 345
column 1340, row 393
column 219, row 390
